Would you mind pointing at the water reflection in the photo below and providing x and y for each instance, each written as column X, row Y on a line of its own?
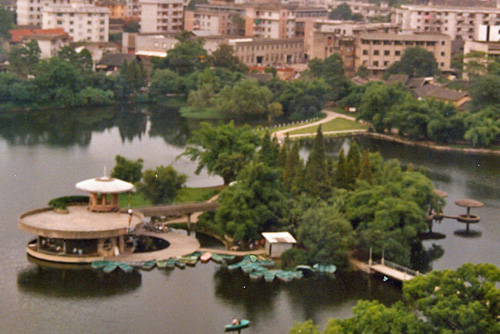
column 70, row 282
column 131, row 124
column 167, row 123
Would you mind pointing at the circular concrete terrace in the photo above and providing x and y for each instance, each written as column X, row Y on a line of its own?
column 78, row 223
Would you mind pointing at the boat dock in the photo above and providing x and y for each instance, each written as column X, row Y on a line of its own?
column 387, row 268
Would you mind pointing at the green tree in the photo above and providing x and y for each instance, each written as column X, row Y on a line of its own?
column 306, row 327
column 24, row 58
column 6, row 22
column 255, row 204
column 316, row 181
column 292, row 166
column 331, row 69
column 165, row 82
column 326, row 235
column 466, row 300
column 485, row 91
column 246, row 97
column 302, row 99
column 483, row 127
column 224, row 57
column 80, row 60
column 127, row 170
column 223, row 150
column 186, row 56
column 340, row 174
column 161, row 184
column 416, row 62
column 365, row 169
column 341, row 12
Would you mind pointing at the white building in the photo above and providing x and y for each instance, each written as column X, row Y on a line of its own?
column 462, row 23
column 29, row 12
column 82, row 22
column 162, row 15
column 278, row 242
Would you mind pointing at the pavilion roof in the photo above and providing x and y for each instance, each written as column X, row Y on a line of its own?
column 105, row 185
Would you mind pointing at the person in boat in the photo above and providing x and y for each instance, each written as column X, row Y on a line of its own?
column 235, row 322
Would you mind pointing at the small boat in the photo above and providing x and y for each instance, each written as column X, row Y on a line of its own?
column 266, row 263
column 234, row 266
column 269, row 276
column 170, row 263
column 217, row 258
column 297, row 274
column 205, row 257
column 227, row 257
column 325, row 268
column 285, row 276
column 99, row 264
column 243, row 323
column 179, row 263
column 256, row 274
column 307, row 271
column 111, row 266
column 161, row 264
column 196, row 254
column 247, row 268
column 148, row 265
column 189, row 260
column 125, row 267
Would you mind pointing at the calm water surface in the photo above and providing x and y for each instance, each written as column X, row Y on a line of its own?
column 42, row 156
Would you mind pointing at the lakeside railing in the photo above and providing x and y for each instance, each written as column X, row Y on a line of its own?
column 399, row 267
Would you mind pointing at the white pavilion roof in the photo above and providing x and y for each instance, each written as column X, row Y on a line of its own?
column 105, row 185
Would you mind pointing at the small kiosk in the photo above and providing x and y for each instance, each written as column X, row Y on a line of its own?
column 86, row 232
column 278, row 242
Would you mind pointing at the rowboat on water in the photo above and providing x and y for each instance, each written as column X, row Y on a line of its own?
column 269, row 276
column 170, row 263
column 285, row 276
column 125, row 267
column 161, row 264
column 179, row 263
column 297, row 274
column 234, row 266
column 266, row 263
column 148, row 265
column 108, row 268
column 243, row 323
column 256, row 274
column 307, row 271
column 217, row 258
column 247, row 268
column 205, row 257
column 190, row 260
column 99, row 264
column 325, row 268
column 227, row 257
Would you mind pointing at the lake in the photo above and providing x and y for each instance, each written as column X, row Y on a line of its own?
column 44, row 154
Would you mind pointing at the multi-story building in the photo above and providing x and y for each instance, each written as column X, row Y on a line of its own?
column 268, row 52
column 460, row 23
column 82, row 22
column 269, row 21
column 50, row 41
column 323, row 38
column 133, row 8
column 162, row 15
column 29, row 12
column 377, row 52
column 211, row 22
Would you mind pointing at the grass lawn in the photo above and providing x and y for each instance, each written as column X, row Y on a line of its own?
column 207, row 113
column 337, row 124
column 185, row 195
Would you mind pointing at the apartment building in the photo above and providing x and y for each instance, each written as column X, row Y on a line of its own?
column 268, row 52
column 162, row 15
column 117, row 8
column 378, row 52
column 133, row 8
column 461, row 23
column 365, row 9
column 82, row 22
column 210, row 21
column 29, row 12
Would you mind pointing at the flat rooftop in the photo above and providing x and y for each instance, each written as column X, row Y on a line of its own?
column 79, row 223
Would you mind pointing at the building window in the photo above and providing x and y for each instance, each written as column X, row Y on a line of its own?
column 365, row 52
column 397, row 53
column 442, row 64
column 375, row 52
column 375, row 63
column 387, row 53
column 386, row 63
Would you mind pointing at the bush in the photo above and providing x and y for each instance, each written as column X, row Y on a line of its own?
column 293, row 257
column 62, row 202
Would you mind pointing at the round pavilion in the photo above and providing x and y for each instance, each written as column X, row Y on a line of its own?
column 87, row 231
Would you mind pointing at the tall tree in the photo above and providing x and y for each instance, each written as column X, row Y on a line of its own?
column 331, row 69
column 161, row 185
column 80, row 60
column 24, row 58
column 127, row 170
column 416, row 62
column 223, row 150
column 316, row 182
column 6, row 22
column 224, row 57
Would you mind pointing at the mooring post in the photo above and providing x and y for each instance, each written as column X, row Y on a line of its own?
column 189, row 224
column 370, row 261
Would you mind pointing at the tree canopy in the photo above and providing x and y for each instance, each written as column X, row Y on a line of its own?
column 127, row 170
column 161, row 185
column 416, row 62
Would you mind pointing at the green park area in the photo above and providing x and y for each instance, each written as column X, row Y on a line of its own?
column 337, row 124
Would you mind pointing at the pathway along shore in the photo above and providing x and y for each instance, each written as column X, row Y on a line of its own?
column 330, row 115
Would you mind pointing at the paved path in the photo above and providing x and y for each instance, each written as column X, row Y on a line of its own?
column 392, row 273
column 330, row 115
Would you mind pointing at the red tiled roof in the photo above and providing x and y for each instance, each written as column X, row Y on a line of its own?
column 19, row 34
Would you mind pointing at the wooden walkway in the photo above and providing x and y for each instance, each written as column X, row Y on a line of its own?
column 177, row 209
column 389, row 269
